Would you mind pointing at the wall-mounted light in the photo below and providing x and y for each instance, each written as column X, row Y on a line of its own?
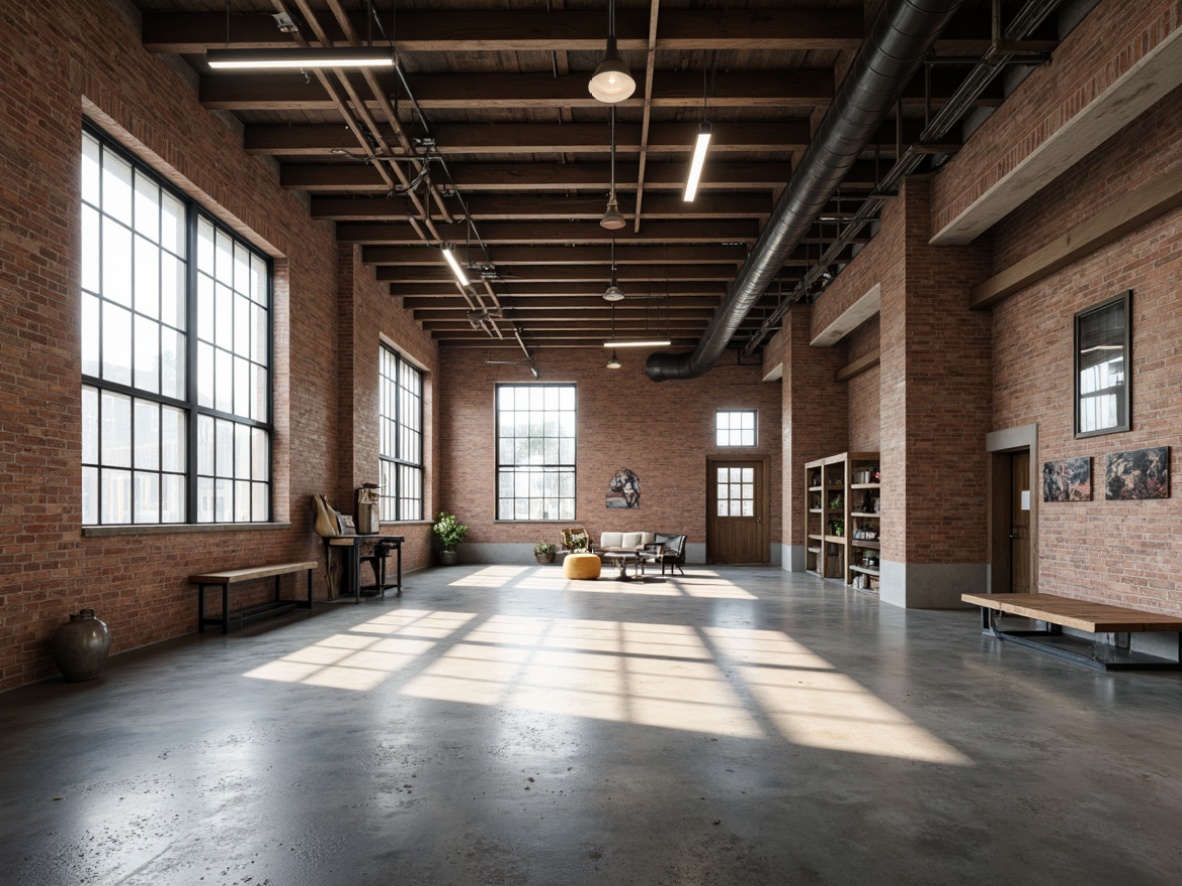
column 612, row 81
column 302, row 57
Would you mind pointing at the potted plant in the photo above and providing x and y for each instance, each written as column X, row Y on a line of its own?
column 544, row 552
column 448, row 532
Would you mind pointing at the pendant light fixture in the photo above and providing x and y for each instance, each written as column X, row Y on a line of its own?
column 612, row 220
column 613, row 293
column 612, row 82
column 701, row 144
column 613, row 362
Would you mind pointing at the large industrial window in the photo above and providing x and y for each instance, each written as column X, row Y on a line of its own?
column 1103, row 345
column 176, row 345
column 735, row 427
column 401, row 447
column 536, row 452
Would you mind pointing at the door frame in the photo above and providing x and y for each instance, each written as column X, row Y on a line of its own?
column 1000, row 445
column 764, row 494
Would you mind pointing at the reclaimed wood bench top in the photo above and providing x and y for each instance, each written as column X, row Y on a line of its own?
column 1081, row 614
column 231, row 576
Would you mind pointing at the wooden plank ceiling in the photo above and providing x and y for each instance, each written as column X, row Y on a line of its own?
column 490, row 141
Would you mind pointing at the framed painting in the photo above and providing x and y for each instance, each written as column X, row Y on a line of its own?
column 1068, row 479
column 1138, row 474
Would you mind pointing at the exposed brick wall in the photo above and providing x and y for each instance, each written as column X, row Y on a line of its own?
column 863, row 390
column 1111, row 551
column 1143, row 151
column 664, row 432
column 946, row 388
column 373, row 314
column 1105, row 46
column 60, row 58
column 815, row 412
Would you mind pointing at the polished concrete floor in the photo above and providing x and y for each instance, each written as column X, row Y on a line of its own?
column 499, row 725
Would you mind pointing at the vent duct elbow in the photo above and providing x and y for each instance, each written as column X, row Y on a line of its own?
column 901, row 36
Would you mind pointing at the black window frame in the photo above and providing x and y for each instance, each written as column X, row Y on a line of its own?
column 1124, row 391
column 558, row 468
column 754, row 413
column 395, row 470
column 194, row 214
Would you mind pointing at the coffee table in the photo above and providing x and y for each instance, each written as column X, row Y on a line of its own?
column 621, row 559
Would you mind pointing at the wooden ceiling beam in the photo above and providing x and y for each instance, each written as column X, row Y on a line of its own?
column 566, row 303
column 536, row 256
column 423, row 294
column 521, row 30
column 327, row 139
column 784, row 89
column 519, row 207
column 473, row 177
column 558, row 233
column 513, row 275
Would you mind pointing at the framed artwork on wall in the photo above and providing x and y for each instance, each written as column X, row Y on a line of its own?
column 1103, row 367
column 1138, row 474
column 1068, row 479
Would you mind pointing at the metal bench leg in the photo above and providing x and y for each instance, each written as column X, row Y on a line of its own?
column 226, row 608
column 201, row 609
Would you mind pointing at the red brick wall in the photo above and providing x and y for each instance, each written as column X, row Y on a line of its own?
column 663, row 431
column 1114, row 37
column 946, row 387
column 58, row 58
column 863, row 390
column 815, row 410
column 1119, row 552
column 370, row 314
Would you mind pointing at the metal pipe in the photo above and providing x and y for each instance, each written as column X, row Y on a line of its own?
column 901, row 36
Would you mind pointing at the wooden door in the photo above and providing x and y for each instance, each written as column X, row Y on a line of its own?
column 737, row 506
column 1020, row 505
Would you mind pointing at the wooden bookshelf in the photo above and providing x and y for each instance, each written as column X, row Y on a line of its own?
column 842, row 518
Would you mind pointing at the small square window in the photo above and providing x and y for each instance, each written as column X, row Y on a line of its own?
column 735, row 427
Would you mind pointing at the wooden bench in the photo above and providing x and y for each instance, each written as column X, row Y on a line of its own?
column 1082, row 615
column 232, row 577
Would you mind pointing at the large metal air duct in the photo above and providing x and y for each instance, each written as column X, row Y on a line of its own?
column 900, row 38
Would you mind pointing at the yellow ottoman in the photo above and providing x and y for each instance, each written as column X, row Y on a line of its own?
column 581, row 566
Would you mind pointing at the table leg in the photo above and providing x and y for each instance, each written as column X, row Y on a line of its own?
column 226, row 608
column 398, row 547
column 357, row 571
column 310, row 589
column 201, row 608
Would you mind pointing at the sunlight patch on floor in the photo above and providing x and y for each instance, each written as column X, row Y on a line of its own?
column 647, row 674
column 367, row 656
column 815, row 705
column 490, row 577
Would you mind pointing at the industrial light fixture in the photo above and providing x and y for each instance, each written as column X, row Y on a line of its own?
column 613, row 362
column 612, row 220
column 637, row 343
column 695, row 173
column 613, row 293
column 702, row 143
column 450, row 255
column 612, row 81
column 302, row 57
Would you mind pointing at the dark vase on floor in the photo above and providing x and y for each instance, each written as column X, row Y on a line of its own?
column 449, row 558
column 80, row 646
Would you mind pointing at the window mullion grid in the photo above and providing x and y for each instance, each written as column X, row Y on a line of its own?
column 192, row 373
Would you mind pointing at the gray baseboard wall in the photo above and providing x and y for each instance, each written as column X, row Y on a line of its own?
column 930, row 585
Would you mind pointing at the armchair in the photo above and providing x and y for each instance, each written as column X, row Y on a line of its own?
column 666, row 549
column 575, row 540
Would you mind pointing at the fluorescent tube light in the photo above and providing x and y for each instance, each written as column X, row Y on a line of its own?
column 456, row 267
column 302, row 57
column 638, row 343
column 695, row 173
